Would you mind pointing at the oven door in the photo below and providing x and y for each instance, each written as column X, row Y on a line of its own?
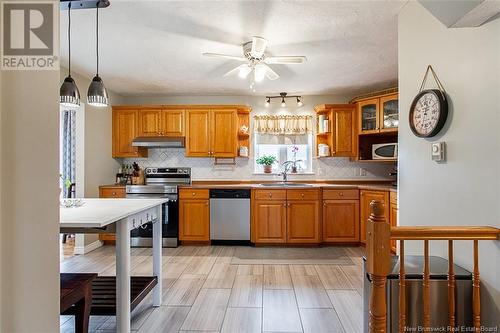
column 142, row 236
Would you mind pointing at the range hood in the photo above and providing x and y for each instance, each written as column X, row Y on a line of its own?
column 158, row 142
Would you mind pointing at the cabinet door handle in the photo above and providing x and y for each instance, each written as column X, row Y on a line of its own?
column 270, row 195
column 324, row 204
column 302, row 195
column 193, row 194
column 113, row 194
column 341, row 194
column 284, row 205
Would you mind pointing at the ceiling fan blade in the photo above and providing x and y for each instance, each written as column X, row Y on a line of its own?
column 285, row 60
column 226, row 56
column 259, row 45
column 271, row 74
column 242, row 71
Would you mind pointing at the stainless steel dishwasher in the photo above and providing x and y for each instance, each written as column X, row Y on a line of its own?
column 230, row 216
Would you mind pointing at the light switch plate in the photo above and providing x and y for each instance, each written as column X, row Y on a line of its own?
column 438, row 151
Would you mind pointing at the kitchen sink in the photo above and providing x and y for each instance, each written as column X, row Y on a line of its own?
column 281, row 184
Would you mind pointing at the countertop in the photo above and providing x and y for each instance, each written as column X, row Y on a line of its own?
column 370, row 185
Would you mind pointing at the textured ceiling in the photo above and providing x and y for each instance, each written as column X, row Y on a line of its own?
column 154, row 47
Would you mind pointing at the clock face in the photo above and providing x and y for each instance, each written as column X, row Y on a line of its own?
column 428, row 113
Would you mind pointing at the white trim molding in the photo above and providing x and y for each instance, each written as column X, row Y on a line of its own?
column 88, row 248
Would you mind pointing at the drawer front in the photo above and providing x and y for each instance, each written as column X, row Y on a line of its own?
column 112, row 192
column 302, row 194
column 195, row 193
column 340, row 194
column 270, row 194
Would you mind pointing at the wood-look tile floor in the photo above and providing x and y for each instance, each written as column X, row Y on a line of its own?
column 203, row 290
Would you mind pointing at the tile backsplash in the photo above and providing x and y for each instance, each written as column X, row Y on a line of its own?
column 204, row 168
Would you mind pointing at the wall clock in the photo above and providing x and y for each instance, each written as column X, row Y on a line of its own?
column 428, row 113
column 429, row 109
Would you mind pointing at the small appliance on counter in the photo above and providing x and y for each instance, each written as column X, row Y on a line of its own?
column 323, row 150
column 385, row 151
column 160, row 183
column 243, row 151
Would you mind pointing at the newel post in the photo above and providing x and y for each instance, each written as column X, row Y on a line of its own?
column 378, row 233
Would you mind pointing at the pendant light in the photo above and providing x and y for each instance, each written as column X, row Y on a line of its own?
column 97, row 94
column 69, row 95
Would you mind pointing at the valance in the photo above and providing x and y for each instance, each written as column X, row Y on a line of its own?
column 283, row 124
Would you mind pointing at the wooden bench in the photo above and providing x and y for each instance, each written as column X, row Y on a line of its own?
column 76, row 298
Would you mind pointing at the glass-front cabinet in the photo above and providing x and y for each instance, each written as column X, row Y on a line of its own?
column 378, row 114
column 368, row 112
column 389, row 117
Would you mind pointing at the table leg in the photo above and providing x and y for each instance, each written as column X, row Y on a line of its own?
column 157, row 261
column 122, row 277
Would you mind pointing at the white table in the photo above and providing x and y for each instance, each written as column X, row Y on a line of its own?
column 120, row 216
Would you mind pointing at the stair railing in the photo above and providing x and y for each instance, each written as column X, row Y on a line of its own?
column 378, row 265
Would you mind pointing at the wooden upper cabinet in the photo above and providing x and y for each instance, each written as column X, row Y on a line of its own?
column 269, row 219
column 172, row 123
column 368, row 112
column 341, row 221
column 125, row 129
column 150, row 122
column 197, row 133
column 367, row 197
column 212, row 133
column 303, row 221
column 344, row 131
column 223, row 133
column 389, row 113
column 158, row 122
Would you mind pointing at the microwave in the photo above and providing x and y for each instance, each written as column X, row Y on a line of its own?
column 385, row 151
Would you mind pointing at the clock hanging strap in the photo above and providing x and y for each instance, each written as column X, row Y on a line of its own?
column 436, row 79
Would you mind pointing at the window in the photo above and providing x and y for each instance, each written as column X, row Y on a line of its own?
column 284, row 148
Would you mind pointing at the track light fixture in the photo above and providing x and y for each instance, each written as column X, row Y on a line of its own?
column 284, row 95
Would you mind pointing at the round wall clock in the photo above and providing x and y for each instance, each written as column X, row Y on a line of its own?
column 428, row 113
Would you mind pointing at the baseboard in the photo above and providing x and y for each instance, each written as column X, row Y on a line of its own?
column 87, row 248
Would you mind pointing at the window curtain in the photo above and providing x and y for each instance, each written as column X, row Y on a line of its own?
column 68, row 148
column 283, row 124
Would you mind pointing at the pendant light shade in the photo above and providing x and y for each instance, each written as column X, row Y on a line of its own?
column 97, row 94
column 69, row 95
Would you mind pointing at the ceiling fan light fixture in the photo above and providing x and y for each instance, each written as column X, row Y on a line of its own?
column 299, row 102
column 283, row 104
column 260, row 73
column 244, row 71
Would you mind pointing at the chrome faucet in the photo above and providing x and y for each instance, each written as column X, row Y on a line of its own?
column 285, row 166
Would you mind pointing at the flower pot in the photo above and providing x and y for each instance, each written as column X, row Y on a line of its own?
column 268, row 168
column 294, row 169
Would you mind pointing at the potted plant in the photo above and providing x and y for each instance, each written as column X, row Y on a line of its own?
column 293, row 164
column 267, row 162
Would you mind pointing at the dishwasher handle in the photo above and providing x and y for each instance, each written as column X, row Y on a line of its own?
column 230, row 193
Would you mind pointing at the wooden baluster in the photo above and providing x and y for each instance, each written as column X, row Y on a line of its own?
column 378, row 264
column 426, row 288
column 451, row 286
column 402, row 287
column 476, row 291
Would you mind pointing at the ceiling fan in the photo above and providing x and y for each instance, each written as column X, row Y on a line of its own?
column 256, row 60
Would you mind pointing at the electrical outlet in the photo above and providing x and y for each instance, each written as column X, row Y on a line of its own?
column 362, row 172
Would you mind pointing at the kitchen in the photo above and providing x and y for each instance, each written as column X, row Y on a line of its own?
column 252, row 166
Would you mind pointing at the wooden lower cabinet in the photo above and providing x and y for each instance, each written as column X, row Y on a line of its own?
column 340, row 221
column 293, row 221
column 110, row 192
column 302, row 221
column 269, row 221
column 368, row 196
column 194, row 220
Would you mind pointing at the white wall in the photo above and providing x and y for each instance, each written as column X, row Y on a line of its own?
column 466, row 189
column 203, row 168
column 29, row 201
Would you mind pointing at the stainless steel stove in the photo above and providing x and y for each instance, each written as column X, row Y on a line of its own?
column 160, row 183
